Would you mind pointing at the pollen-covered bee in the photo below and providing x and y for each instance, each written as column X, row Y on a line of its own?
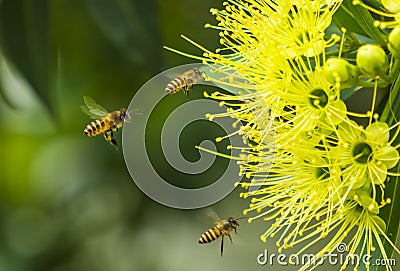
column 185, row 81
column 104, row 122
column 223, row 227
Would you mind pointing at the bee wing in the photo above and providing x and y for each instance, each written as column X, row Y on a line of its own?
column 207, row 216
column 92, row 109
column 87, row 112
column 213, row 215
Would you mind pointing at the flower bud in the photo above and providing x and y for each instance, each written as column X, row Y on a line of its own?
column 394, row 42
column 372, row 60
column 392, row 5
column 339, row 70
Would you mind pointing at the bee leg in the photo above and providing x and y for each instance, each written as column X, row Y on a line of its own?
column 235, row 230
column 187, row 86
column 114, row 143
column 230, row 238
column 108, row 135
column 113, row 128
column 186, row 90
column 222, row 244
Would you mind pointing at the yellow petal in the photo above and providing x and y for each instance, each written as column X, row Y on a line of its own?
column 378, row 132
column 389, row 156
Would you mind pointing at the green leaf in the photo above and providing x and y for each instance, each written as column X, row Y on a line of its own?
column 25, row 42
column 358, row 20
column 347, row 93
column 376, row 4
column 344, row 18
column 391, row 212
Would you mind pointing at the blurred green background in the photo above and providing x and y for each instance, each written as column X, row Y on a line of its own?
column 67, row 201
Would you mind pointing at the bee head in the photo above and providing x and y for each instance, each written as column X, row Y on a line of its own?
column 124, row 115
column 199, row 74
column 233, row 221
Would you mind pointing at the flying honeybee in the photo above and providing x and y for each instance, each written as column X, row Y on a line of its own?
column 185, row 81
column 223, row 227
column 104, row 122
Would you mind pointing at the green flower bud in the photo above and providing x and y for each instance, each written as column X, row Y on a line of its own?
column 394, row 42
column 339, row 70
column 372, row 60
column 392, row 5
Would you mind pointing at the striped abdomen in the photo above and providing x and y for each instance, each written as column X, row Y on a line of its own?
column 210, row 235
column 185, row 81
column 97, row 127
column 176, row 85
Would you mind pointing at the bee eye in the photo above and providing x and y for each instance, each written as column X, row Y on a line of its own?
column 123, row 115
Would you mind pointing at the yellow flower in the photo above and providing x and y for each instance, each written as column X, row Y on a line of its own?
column 364, row 229
column 302, row 184
column 294, row 27
column 271, row 64
column 311, row 102
column 365, row 154
column 265, row 40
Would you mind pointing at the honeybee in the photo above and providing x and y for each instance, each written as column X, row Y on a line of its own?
column 223, row 227
column 104, row 122
column 185, row 81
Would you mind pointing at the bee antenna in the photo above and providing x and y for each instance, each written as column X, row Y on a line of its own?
column 242, row 217
column 133, row 112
